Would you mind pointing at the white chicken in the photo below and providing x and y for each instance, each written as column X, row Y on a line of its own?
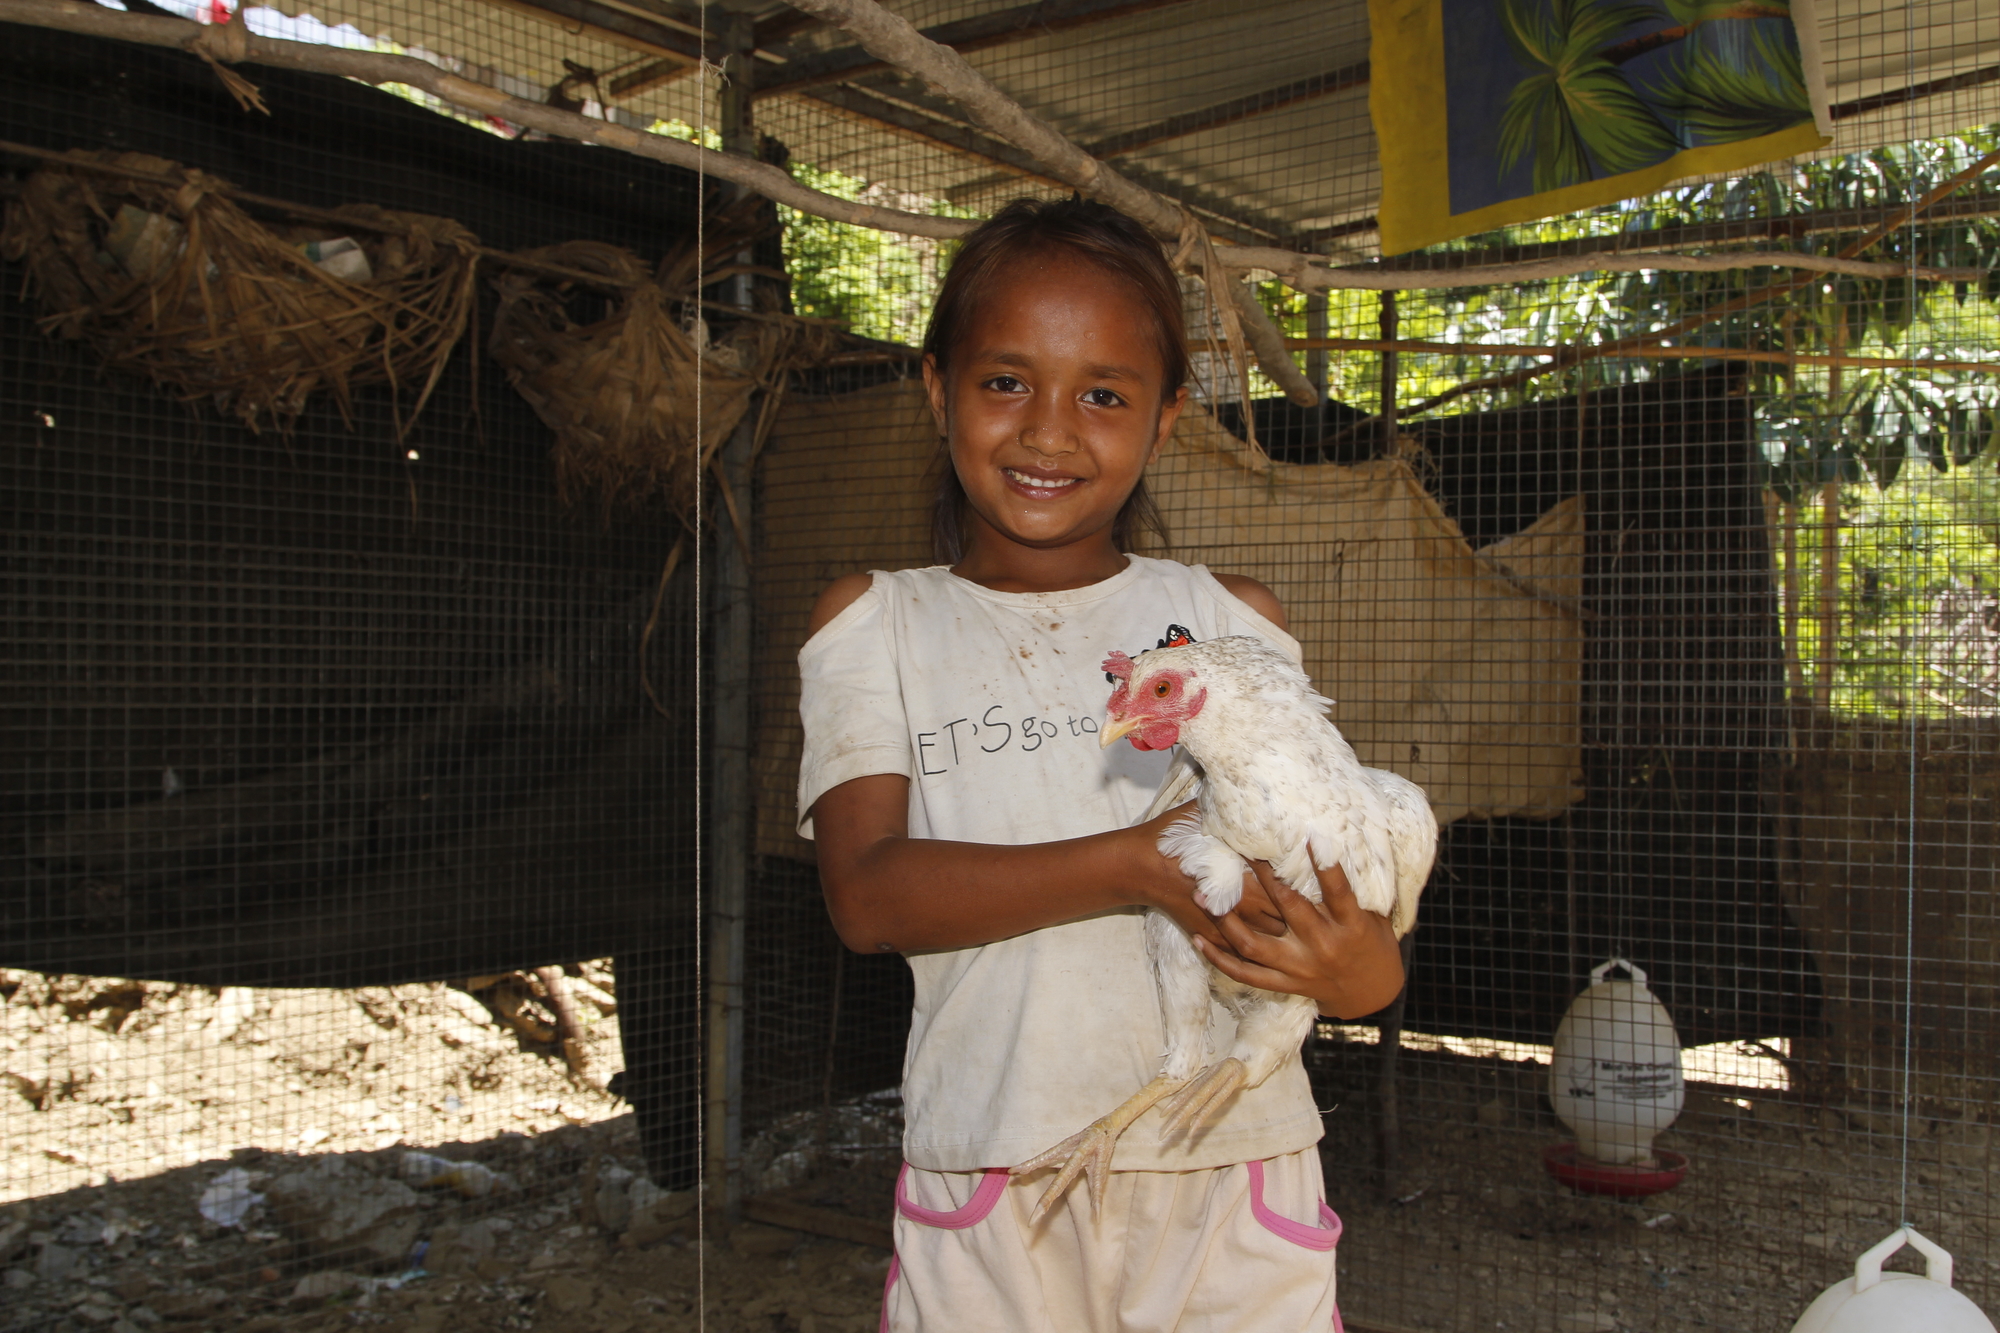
column 1275, row 782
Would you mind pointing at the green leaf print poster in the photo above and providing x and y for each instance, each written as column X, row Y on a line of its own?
column 1490, row 112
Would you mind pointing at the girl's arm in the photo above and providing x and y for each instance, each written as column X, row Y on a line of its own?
column 888, row 892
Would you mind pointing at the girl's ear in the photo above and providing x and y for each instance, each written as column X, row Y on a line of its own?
column 1170, row 412
column 934, row 391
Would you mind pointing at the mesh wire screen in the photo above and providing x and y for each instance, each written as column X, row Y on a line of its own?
column 1696, row 656
column 329, row 781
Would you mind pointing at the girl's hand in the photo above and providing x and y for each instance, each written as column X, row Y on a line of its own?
column 1343, row 958
column 1165, row 887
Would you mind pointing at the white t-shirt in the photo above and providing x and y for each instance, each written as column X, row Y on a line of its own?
column 990, row 702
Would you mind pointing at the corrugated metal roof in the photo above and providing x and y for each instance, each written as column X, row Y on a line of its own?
column 1288, row 172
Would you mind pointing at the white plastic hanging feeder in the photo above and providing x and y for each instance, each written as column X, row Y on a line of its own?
column 1615, row 1071
column 1873, row 1301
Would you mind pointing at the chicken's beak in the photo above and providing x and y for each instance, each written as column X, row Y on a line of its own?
column 1116, row 730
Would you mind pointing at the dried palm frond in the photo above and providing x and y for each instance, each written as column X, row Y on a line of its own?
column 166, row 276
column 619, row 391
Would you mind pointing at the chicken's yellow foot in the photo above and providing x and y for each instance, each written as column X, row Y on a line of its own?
column 1088, row 1151
column 1204, row 1093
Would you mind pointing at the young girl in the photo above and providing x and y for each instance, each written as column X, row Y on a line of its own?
column 967, row 819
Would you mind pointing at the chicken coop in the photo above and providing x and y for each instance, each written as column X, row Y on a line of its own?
column 426, row 428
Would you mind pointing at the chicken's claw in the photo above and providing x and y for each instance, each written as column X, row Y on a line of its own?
column 1088, row 1151
column 1204, row 1093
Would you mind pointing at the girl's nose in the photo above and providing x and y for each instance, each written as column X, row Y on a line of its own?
column 1048, row 440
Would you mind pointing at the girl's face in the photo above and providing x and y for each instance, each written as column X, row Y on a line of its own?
column 1053, row 404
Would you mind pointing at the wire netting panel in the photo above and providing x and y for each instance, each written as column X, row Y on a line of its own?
column 1675, row 590
column 334, row 807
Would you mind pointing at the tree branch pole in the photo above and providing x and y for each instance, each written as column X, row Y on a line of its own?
column 1828, row 616
column 1307, row 276
column 1386, row 321
column 1641, row 353
column 727, row 797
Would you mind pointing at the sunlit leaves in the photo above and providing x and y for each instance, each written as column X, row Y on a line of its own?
column 880, row 283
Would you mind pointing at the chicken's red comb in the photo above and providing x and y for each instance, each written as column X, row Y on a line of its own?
column 1118, row 666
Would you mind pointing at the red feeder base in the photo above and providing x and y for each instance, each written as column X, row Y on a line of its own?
column 1581, row 1174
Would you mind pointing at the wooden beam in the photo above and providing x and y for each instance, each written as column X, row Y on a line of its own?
column 787, row 22
column 893, row 40
column 771, row 32
column 1222, row 113
column 654, row 74
column 1861, row 106
column 604, row 23
column 1237, row 108
column 1789, row 226
column 955, row 136
column 906, row 107
column 805, row 70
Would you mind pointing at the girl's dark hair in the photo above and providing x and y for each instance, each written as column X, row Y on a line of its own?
column 1098, row 235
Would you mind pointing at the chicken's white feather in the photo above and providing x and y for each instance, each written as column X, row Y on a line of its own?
column 1277, row 782
column 1274, row 781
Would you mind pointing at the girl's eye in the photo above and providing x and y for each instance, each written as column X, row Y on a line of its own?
column 1005, row 384
column 1102, row 398
column 1162, row 690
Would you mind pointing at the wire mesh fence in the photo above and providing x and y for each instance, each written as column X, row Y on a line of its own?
column 339, row 828
column 331, row 797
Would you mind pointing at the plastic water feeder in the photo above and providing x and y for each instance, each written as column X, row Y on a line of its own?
column 1615, row 1080
column 1873, row 1301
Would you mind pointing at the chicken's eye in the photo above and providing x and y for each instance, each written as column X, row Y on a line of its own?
column 1162, row 690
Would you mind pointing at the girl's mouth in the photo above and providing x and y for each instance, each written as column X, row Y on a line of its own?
column 1040, row 488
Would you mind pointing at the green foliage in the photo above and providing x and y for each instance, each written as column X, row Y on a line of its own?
column 1915, row 451
column 1907, row 552
column 880, row 283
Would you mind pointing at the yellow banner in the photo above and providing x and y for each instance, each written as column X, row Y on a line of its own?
column 1491, row 112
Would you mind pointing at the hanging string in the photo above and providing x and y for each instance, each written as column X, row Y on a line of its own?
column 702, row 1182
column 1910, row 742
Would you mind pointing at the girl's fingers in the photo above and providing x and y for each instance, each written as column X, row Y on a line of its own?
column 1257, row 946
column 1298, row 910
column 1259, row 905
column 1337, row 895
column 1190, row 918
column 1242, row 969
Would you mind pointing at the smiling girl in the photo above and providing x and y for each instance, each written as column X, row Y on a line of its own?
column 966, row 818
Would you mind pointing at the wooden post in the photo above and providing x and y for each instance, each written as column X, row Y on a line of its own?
column 726, row 740
column 1387, row 320
column 1316, row 361
column 1795, row 674
column 1388, row 1110
column 1829, row 533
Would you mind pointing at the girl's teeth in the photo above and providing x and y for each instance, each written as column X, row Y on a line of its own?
column 1039, row 484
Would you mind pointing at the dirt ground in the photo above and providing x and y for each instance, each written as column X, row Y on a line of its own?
column 123, row 1103
column 114, row 1079
column 1780, row 1197
column 129, row 1103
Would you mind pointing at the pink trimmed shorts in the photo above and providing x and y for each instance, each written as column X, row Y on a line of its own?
column 1236, row 1249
